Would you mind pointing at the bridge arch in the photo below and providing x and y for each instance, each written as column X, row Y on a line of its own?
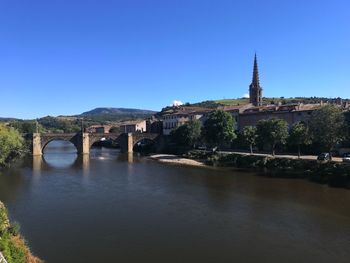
column 44, row 145
column 115, row 137
column 45, row 139
column 144, row 142
column 144, row 145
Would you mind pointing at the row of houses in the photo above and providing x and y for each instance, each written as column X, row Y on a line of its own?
column 244, row 115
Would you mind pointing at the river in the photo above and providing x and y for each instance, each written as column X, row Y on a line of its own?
column 113, row 207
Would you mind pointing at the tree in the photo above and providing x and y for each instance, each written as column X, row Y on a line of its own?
column 56, row 124
column 26, row 126
column 219, row 128
column 327, row 126
column 187, row 134
column 249, row 134
column 273, row 132
column 347, row 125
column 299, row 135
column 11, row 144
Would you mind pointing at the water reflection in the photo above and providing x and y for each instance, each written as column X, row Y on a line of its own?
column 12, row 183
column 37, row 164
column 62, row 159
column 83, row 162
column 130, row 157
column 60, row 154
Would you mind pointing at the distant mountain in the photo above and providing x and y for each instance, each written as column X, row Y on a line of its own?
column 116, row 114
column 5, row 119
column 116, row 111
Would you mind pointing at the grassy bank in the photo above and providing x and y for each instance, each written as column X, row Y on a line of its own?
column 333, row 174
column 12, row 244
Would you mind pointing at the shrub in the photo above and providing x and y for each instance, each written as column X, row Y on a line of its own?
column 14, row 229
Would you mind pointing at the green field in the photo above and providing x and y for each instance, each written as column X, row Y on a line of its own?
column 238, row 101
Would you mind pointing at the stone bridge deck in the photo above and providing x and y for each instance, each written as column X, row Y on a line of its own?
column 84, row 141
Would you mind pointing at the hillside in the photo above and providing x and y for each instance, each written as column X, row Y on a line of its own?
column 73, row 123
column 115, row 114
column 116, row 111
column 4, row 119
column 242, row 101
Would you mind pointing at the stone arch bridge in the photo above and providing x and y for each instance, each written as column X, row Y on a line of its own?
column 84, row 141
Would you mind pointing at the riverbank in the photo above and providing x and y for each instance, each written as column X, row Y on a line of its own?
column 333, row 173
column 12, row 244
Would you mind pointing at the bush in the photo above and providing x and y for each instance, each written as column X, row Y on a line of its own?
column 14, row 229
column 12, row 250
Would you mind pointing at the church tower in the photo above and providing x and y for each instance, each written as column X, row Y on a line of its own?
column 255, row 91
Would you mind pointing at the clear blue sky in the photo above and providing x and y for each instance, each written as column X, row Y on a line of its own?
column 69, row 56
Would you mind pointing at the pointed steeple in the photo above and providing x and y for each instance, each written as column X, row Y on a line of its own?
column 255, row 80
column 255, row 91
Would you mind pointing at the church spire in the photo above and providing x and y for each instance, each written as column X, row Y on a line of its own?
column 255, row 91
column 255, row 72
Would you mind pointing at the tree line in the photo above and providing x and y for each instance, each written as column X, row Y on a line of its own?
column 47, row 124
column 52, row 124
column 327, row 127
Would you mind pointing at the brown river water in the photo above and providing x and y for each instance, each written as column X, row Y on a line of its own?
column 112, row 207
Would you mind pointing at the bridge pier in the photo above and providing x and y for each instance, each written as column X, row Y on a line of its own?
column 130, row 143
column 37, row 149
column 84, row 143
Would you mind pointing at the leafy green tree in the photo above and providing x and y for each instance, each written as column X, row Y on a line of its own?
column 299, row 135
column 58, row 124
column 249, row 134
column 327, row 126
column 219, row 128
column 11, row 144
column 273, row 132
column 27, row 126
column 187, row 134
column 347, row 124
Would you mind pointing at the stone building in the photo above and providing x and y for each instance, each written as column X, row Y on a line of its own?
column 133, row 126
column 290, row 113
column 179, row 115
column 99, row 128
column 154, row 125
